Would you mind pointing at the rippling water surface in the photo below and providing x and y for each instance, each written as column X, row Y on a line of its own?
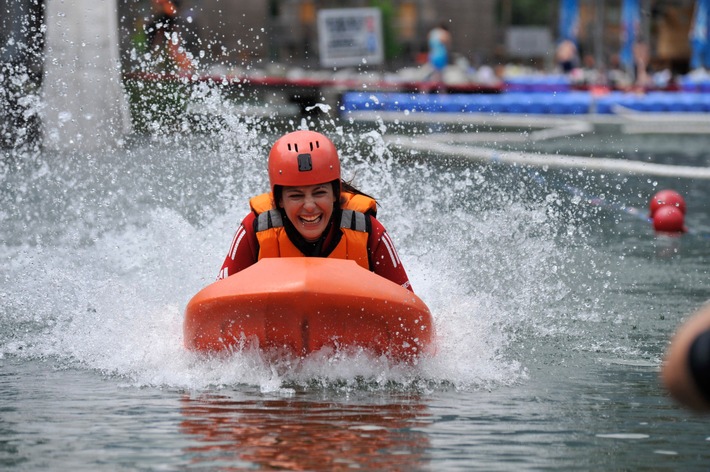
column 552, row 296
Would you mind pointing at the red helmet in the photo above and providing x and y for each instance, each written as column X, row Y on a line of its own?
column 303, row 158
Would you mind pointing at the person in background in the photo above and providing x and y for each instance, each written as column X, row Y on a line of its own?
column 567, row 56
column 170, row 34
column 439, row 41
column 312, row 212
column 686, row 368
column 642, row 57
column 616, row 76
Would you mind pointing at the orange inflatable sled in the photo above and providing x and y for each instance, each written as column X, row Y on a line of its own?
column 299, row 305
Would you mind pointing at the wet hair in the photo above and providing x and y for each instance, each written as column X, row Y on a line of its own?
column 348, row 187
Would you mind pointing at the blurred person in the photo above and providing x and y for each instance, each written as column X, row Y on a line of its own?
column 642, row 57
column 616, row 76
column 171, row 34
column 439, row 40
column 567, row 56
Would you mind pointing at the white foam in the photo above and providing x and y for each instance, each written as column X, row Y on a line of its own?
column 113, row 300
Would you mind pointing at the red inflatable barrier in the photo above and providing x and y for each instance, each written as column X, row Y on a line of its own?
column 666, row 198
column 300, row 305
column 669, row 219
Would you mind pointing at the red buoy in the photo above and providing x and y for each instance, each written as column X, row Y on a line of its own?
column 666, row 197
column 669, row 219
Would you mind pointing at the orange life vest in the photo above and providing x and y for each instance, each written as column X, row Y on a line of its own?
column 274, row 242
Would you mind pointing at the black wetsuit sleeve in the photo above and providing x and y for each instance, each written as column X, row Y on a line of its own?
column 699, row 363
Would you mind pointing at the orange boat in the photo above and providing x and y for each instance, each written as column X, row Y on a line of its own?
column 300, row 305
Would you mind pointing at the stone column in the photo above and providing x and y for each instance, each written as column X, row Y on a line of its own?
column 84, row 103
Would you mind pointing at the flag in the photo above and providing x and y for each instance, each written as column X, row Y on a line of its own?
column 630, row 20
column 569, row 20
column 699, row 35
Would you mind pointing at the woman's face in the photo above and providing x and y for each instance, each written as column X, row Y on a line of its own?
column 309, row 208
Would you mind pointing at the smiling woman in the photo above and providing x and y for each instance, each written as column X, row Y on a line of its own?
column 311, row 206
column 311, row 212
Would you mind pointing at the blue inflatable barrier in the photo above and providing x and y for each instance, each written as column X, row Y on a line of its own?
column 696, row 84
column 456, row 103
column 361, row 101
column 509, row 103
column 603, row 104
column 659, row 102
column 397, row 102
column 691, row 102
column 704, row 101
column 573, row 103
column 655, row 102
column 535, row 106
column 529, row 103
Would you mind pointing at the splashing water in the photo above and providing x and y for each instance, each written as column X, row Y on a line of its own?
column 104, row 250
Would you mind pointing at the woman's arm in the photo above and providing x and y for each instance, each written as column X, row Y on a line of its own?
column 383, row 256
column 243, row 250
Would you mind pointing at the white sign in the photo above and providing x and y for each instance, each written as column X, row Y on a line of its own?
column 528, row 41
column 350, row 37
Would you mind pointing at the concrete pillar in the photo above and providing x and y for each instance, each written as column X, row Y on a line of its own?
column 85, row 107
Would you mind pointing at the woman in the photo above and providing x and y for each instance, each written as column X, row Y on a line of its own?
column 311, row 212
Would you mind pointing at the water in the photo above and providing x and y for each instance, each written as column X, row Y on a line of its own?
column 553, row 302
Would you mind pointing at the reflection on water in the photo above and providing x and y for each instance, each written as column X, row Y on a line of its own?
column 293, row 434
